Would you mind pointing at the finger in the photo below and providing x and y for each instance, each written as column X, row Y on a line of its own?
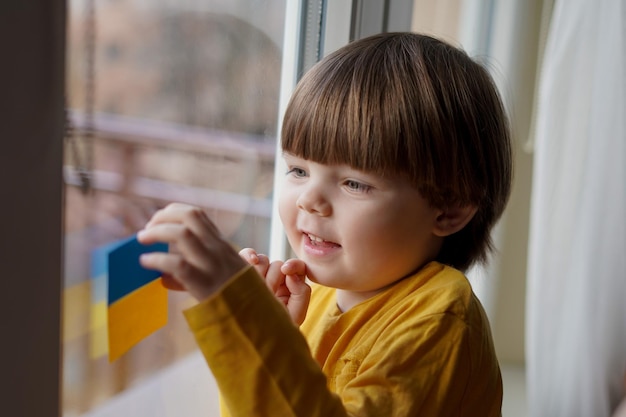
column 249, row 255
column 283, row 294
column 193, row 248
column 159, row 214
column 260, row 262
column 180, row 274
column 263, row 264
column 299, row 299
column 294, row 267
column 297, row 286
column 170, row 283
column 274, row 278
column 192, row 216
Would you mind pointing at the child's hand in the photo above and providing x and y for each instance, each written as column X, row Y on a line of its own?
column 286, row 280
column 200, row 260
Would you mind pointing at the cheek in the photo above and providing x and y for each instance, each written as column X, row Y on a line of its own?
column 393, row 229
column 286, row 207
column 367, row 231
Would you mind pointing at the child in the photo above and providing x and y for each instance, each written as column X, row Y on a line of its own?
column 399, row 161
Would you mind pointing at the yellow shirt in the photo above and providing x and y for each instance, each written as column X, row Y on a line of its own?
column 421, row 348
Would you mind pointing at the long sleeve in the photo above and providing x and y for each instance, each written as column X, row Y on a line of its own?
column 385, row 357
column 259, row 358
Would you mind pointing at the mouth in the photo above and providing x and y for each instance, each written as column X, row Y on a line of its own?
column 320, row 242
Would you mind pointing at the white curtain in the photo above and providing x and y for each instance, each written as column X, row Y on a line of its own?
column 576, row 300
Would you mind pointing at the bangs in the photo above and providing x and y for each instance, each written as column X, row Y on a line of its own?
column 340, row 114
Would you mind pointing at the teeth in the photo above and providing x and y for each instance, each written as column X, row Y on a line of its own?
column 315, row 238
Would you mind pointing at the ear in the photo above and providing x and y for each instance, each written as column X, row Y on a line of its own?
column 453, row 219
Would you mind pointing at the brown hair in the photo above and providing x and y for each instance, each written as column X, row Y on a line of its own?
column 404, row 104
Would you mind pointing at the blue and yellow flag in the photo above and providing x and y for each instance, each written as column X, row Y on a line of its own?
column 136, row 301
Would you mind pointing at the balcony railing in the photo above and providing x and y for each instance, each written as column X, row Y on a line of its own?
column 155, row 160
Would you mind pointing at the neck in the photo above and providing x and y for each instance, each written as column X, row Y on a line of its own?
column 347, row 299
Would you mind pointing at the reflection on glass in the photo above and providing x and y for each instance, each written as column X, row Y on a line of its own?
column 182, row 100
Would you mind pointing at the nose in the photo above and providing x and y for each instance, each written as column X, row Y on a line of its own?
column 313, row 200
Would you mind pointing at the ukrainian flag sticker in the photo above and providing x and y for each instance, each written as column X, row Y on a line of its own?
column 136, row 299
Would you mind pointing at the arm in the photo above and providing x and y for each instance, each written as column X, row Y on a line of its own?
column 259, row 358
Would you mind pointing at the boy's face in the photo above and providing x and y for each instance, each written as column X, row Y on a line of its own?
column 355, row 231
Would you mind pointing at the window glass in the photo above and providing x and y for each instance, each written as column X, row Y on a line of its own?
column 168, row 100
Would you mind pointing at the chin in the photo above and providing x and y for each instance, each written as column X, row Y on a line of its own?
column 327, row 280
column 320, row 278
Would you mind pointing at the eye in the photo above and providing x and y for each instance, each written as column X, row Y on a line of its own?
column 296, row 172
column 356, row 186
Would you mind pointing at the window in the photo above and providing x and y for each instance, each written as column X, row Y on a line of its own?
column 175, row 101
column 168, row 101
